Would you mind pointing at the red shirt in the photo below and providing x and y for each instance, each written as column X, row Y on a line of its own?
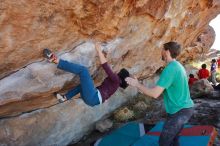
column 203, row 74
column 192, row 80
column 218, row 63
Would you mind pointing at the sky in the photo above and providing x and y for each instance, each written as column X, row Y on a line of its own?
column 215, row 23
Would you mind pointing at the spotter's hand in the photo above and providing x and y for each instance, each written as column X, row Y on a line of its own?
column 132, row 81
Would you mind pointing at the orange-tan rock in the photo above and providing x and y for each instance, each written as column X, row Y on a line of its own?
column 132, row 33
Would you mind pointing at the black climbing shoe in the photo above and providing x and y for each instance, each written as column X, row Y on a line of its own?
column 49, row 55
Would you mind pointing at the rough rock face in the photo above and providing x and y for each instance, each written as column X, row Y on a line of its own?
column 201, row 88
column 143, row 26
column 207, row 113
column 132, row 33
column 57, row 125
column 200, row 47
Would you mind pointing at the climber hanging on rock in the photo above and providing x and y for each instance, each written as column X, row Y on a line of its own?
column 90, row 94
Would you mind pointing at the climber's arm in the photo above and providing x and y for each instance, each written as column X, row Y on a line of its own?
column 105, row 65
column 101, row 55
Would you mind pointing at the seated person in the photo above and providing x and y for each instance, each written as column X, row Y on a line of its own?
column 192, row 79
column 203, row 72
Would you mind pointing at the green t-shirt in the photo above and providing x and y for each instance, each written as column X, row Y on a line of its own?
column 176, row 90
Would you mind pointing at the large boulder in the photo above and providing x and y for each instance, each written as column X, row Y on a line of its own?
column 198, row 49
column 132, row 35
column 57, row 125
column 200, row 88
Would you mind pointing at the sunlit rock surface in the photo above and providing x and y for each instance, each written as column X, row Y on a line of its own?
column 132, row 34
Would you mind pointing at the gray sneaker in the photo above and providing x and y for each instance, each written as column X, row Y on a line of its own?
column 60, row 98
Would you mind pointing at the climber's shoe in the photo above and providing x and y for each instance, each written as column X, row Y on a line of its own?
column 60, row 98
column 49, row 55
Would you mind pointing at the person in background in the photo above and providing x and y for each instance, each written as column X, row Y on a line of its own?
column 192, row 79
column 218, row 62
column 203, row 72
column 213, row 72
